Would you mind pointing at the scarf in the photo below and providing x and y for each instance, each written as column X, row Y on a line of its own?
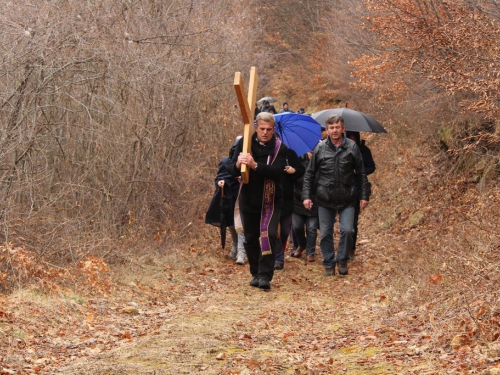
column 268, row 204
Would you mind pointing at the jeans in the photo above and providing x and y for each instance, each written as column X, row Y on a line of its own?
column 285, row 227
column 306, row 239
column 326, row 220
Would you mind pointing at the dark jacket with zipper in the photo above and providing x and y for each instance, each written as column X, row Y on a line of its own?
column 298, row 203
column 288, row 180
column 251, row 194
column 341, row 172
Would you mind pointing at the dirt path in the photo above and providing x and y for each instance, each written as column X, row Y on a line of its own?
column 307, row 324
column 410, row 304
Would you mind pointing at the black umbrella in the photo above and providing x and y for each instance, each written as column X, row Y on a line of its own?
column 226, row 212
column 353, row 120
column 269, row 99
column 220, row 212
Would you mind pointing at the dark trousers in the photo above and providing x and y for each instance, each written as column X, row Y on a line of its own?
column 356, row 217
column 285, row 228
column 261, row 266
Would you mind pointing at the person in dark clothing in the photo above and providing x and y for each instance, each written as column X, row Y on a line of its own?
column 369, row 165
column 339, row 164
column 294, row 169
column 256, row 111
column 285, row 108
column 227, row 184
column 261, row 199
column 268, row 107
column 305, row 218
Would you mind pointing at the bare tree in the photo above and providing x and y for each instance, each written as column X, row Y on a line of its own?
column 109, row 110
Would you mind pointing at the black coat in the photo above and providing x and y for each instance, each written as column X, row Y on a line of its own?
column 288, row 182
column 251, row 194
column 342, row 176
column 368, row 161
column 231, row 187
column 298, row 202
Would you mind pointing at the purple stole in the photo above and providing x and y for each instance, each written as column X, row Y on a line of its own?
column 268, row 204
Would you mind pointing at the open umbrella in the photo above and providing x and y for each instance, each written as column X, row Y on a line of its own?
column 353, row 120
column 299, row 132
column 270, row 99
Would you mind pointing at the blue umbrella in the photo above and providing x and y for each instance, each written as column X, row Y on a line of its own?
column 299, row 132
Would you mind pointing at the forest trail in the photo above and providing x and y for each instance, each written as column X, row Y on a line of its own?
column 306, row 324
column 191, row 310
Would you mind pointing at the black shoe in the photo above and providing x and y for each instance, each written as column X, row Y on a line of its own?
column 343, row 269
column 264, row 284
column 297, row 253
column 278, row 266
column 254, row 282
column 329, row 271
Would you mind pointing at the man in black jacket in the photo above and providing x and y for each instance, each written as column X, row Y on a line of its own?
column 261, row 198
column 338, row 162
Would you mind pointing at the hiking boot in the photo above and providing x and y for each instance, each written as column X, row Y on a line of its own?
column 278, row 266
column 297, row 253
column 254, row 282
column 329, row 271
column 264, row 284
column 310, row 258
column 343, row 269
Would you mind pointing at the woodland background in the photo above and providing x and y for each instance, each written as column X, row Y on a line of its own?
column 114, row 115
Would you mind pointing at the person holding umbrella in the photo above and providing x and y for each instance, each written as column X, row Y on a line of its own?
column 294, row 169
column 341, row 178
column 369, row 164
column 261, row 199
column 221, row 210
column 268, row 107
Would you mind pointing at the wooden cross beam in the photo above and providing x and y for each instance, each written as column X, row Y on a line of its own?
column 246, row 108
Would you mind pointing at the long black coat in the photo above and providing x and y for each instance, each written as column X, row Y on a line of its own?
column 251, row 194
column 231, row 187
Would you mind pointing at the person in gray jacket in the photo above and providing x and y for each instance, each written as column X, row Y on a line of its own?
column 341, row 178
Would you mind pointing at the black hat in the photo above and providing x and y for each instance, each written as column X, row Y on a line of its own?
column 356, row 135
column 302, row 109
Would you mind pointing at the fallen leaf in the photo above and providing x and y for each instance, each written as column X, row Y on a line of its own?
column 435, row 279
column 221, row 356
column 481, row 311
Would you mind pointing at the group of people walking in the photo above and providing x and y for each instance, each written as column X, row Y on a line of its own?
column 305, row 193
column 268, row 107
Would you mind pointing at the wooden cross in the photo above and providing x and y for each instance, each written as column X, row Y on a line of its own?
column 246, row 108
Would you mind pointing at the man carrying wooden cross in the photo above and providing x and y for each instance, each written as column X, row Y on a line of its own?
column 261, row 198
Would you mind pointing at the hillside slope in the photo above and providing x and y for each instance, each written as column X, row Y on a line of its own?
column 420, row 296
